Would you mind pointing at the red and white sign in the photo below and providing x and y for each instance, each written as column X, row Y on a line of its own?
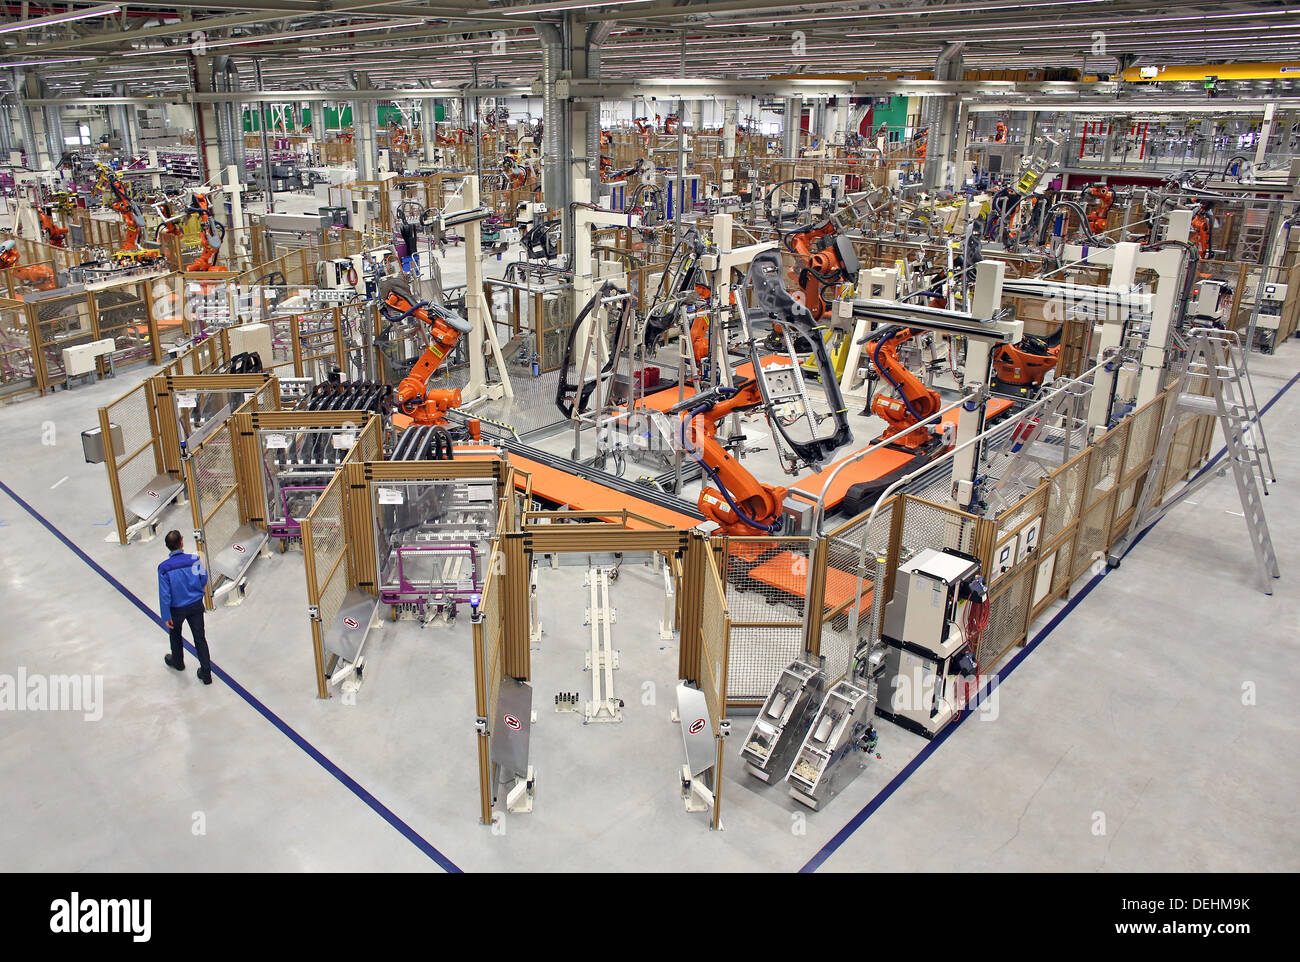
column 152, row 494
column 512, row 722
column 351, row 623
column 697, row 726
column 240, row 548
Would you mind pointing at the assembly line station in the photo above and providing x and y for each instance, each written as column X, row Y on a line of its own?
column 849, row 437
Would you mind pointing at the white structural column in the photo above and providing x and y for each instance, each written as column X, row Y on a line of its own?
column 1265, row 131
column 790, row 126
column 35, row 143
column 1167, row 263
column 985, row 303
column 839, row 121
column 363, row 127
column 730, row 119
column 428, row 130
column 482, row 335
column 1123, row 276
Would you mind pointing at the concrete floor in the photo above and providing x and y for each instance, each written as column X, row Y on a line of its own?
column 1132, row 707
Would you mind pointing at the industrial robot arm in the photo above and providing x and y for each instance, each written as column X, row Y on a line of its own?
column 397, row 303
column 211, row 233
column 38, row 276
column 57, row 235
column 915, row 402
column 738, row 502
column 824, row 257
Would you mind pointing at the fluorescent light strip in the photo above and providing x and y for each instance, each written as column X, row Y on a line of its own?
column 555, row 7
column 66, row 17
column 265, row 38
column 45, row 63
column 1098, row 24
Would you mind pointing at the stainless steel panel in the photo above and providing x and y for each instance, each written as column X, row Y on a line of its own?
column 232, row 560
column 512, row 728
column 145, row 503
column 697, row 729
column 351, row 625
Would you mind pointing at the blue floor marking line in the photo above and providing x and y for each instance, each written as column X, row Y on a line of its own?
column 314, row 753
column 842, row 836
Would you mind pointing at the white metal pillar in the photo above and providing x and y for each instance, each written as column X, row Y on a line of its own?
column 363, row 128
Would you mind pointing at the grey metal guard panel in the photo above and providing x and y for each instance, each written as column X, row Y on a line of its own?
column 149, row 500
column 348, row 632
column 697, row 729
column 233, row 560
column 512, row 727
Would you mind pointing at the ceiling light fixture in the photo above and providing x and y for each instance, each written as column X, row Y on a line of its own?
column 66, row 17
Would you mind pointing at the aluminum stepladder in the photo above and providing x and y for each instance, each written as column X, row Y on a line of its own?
column 1039, row 444
column 1212, row 359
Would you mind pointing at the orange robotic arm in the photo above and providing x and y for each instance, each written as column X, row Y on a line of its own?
column 818, row 267
column 1097, row 215
column 1025, row 363
column 445, row 329
column 739, row 503
column 211, row 232
column 38, row 276
column 131, row 213
column 915, row 402
column 1201, row 226
column 53, row 231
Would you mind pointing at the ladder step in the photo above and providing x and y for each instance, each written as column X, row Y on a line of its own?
column 1198, row 404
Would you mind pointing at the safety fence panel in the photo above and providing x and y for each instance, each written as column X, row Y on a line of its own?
column 20, row 370
column 766, row 589
column 59, row 323
column 715, row 643
column 209, row 304
column 356, row 323
column 126, row 315
column 287, row 458
column 1144, row 431
column 488, row 674
column 213, row 485
column 189, row 407
column 859, row 554
column 134, row 461
column 324, row 541
column 317, row 344
column 204, row 357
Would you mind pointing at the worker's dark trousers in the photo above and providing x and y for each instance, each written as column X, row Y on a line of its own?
column 194, row 615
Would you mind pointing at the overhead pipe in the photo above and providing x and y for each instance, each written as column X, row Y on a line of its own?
column 222, row 113
column 553, row 173
column 934, row 111
column 6, row 133
column 597, row 34
column 235, row 118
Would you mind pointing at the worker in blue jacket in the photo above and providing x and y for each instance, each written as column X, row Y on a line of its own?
column 181, row 580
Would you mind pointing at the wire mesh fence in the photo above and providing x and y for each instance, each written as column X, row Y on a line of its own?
column 324, row 541
column 19, row 373
column 766, row 582
column 134, row 462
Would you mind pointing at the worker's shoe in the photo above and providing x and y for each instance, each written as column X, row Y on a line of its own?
column 171, row 664
column 205, row 676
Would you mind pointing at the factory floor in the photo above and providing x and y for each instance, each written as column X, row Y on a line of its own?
column 1146, row 729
